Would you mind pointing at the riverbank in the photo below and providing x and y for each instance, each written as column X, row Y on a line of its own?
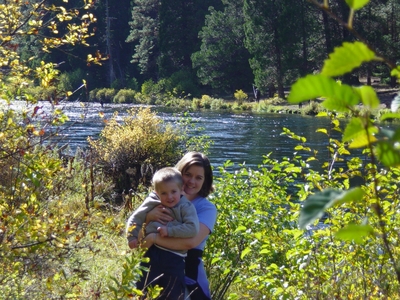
column 385, row 95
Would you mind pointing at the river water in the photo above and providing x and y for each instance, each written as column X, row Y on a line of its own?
column 243, row 138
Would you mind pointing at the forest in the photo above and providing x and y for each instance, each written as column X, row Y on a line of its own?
column 216, row 47
column 285, row 229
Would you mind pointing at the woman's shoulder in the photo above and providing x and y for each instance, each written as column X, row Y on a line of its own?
column 203, row 203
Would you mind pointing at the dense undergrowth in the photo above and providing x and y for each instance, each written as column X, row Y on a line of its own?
column 284, row 229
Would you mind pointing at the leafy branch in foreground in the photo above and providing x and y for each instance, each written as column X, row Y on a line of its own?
column 361, row 131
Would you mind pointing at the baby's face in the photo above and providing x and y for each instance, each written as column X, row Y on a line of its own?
column 169, row 193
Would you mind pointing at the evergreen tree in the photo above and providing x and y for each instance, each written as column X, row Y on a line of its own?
column 223, row 60
column 273, row 39
column 145, row 34
column 180, row 23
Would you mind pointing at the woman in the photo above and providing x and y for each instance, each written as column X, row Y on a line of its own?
column 197, row 185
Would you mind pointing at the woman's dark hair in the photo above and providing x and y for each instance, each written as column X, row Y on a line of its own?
column 198, row 159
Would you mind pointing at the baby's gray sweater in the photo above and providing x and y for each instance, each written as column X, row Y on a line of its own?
column 184, row 225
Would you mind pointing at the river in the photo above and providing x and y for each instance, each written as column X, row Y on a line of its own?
column 243, row 138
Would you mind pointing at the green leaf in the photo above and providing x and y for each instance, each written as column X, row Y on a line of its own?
column 394, row 106
column 368, row 96
column 346, row 58
column 241, row 228
column 343, row 98
column 315, row 205
column 354, row 232
column 245, row 252
column 353, row 129
column 293, row 170
column 387, row 154
column 389, row 116
column 395, row 72
column 323, row 130
column 357, row 4
column 314, row 86
column 358, row 135
column 322, row 114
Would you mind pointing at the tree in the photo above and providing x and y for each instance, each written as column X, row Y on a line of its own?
column 223, row 60
column 272, row 38
column 180, row 23
column 144, row 35
column 36, row 226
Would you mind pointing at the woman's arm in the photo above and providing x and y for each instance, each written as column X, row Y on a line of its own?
column 177, row 243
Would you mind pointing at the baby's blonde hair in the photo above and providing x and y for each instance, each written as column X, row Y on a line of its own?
column 165, row 175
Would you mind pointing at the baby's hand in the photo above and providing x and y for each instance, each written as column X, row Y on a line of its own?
column 163, row 231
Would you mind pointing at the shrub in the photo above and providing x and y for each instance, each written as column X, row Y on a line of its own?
column 206, row 101
column 125, row 96
column 132, row 84
column 42, row 93
column 151, row 91
column 105, row 95
column 218, row 104
column 70, row 81
column 240, row 96
column 182, row 83
column 93, row 95
column 117, row 84
column 196, row 103
column 132, row 151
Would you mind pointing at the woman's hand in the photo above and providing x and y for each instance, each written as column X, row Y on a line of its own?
column 149, row 240
column 133, row 244
column 159, row 214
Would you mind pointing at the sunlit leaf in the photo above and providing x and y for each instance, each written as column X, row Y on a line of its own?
column 293, row 170
column 387, row 154
column 241, row 228
column 359, row 134
column 315, row 205
column 395, row 72
column 323, row 130
column 346, row 58
column 357, row 4
column 245, row 252
column 389, row 116
column 368, row 96
column 354, row 232
column 315, row 86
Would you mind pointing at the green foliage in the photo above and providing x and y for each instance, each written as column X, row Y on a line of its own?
column 360, row 132
column 217, row 104
column 125, row 96
column 151, row 90
column 240, row 96
column 105, row 95
column 132, row 151
column 267, row 255
column 181, row 82
column 223, row 61
column 42, row 93
column 132, row 84
column 125, row 287
column 70, row 81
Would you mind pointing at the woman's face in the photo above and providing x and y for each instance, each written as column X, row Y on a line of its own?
column 193, row 179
